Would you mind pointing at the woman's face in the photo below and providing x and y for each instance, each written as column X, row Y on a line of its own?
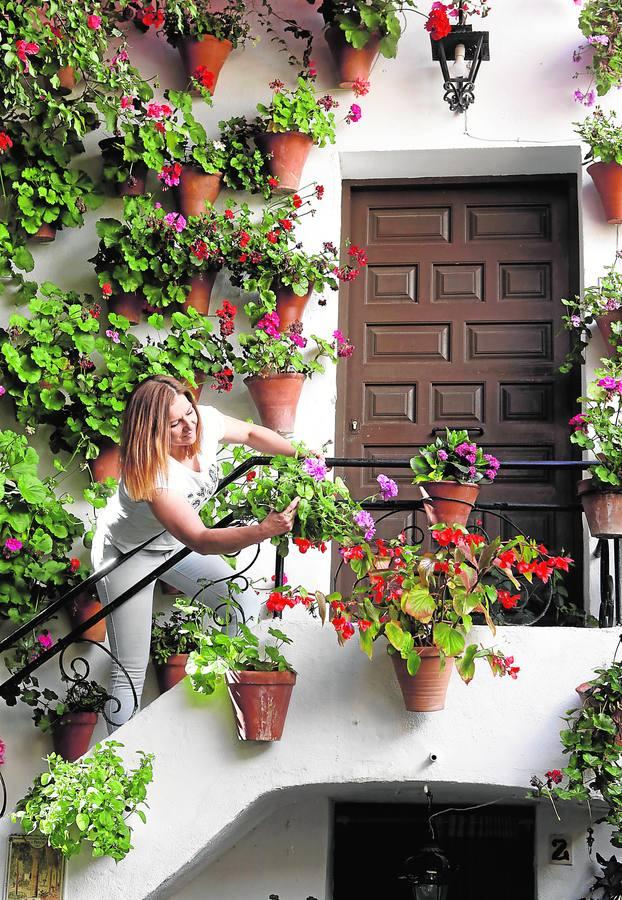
column 182, row 422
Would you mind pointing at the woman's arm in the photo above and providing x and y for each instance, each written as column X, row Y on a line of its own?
column 256, row 436
column 184, row 523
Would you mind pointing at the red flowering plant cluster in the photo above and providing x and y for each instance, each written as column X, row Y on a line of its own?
column 182, row 20
column 430, row 599
column 598, row 427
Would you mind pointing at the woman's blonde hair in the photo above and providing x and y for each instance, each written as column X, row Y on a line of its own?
column 146, row 436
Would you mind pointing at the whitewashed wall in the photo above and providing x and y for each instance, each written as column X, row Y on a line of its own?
column 347, row 723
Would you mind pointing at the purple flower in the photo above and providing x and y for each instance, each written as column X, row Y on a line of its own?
column 345, row 350
column 492, row 461
column 589, row 99
column 466, row 450
column 578, row 95
column 354, row 113
column 443, row 455
column 176, row 221
column 339, row 337
column 608, row 383
column 575, row 321
column 491, row 474
column 13, row 545
column 270, row 323
column 113, row 335
column 364, row 520
column 2, row 391
column 45, row 639
column 612, row 304
column 316, row 468
column 298, row 340
column 388, row 488
column 472, row 471
column 598, row 39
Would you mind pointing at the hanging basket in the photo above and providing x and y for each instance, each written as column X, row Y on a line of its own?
column 602, row 508
column 108, row 463
column 171, row 672
column 81, row 609
column 260, row 702
column 351, row 64
column 608, row 180
column 290, row 151
column 206, row 51
column 290, row 306
column 452, row 504
column 72, row 734
column 276, row 398
column 195, row 189
column 427, row 690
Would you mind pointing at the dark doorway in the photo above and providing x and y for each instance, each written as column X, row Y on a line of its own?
column 492, row 848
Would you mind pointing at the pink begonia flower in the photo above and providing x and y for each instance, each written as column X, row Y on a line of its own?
column 2, row 391
column 94, row 22
column 113, row 335
column 176, row 221
column 126, row 102
column 354, row 113
column 13, row 545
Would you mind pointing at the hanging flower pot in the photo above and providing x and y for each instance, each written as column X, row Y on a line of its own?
column 199, row 377
column 201, row 291
column 290, row 150
column 82, row 608
column 206, row 51
column 452, row 504
column 135, row 183
column 72, row 734
column 426, row 691
column 67, row 79
column 128, row 305
column 260, row 702
column 195, row 189
column 289, row 306
column 171, row 672
column 604, row 326
column 44, row 234
column 584, row 691
column 351, row 64
column 276, row 398
column 608, row 180
column 602, row 507
column 108, row 463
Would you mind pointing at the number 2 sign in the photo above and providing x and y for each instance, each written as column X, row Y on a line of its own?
column 560, row 850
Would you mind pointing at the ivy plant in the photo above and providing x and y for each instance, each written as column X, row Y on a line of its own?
column 87, row 802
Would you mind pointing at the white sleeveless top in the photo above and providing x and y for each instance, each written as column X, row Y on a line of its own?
column 126, row 523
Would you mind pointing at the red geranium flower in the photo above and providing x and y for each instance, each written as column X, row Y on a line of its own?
column 438, row 23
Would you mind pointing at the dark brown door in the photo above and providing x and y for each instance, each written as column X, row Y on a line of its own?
column 457, row 323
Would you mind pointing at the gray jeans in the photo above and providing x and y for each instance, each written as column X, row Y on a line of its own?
column 129, row 626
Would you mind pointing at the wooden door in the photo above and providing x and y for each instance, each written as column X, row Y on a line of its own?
column 457, row 323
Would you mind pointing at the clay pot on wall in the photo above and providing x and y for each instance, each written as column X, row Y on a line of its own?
column 276, row 398
column 129, row 305
column 604, row 326
column 351, row 64
column 108, row 463
column 195, row 189
column 289, row 306
column 290, row 151
column 452, row 504
column 426, row 691
column 72, row 734
column 260, row 702
column 67, row 78
column 135, row 184
column 44, row 235
column 200, row 293
column 602, row 508
column 207, row 51
column 171, row 672
column 608, row 180
column 82, row 608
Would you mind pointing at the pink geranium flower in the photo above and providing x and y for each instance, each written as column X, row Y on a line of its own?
column 94, row 22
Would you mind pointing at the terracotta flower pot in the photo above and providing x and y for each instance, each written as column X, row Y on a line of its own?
column 67, row 78
column 195, row 189
column 290, row 150
column 604, row 326
column 289, row 306
column 351, row 64
column 608, row 180
column 108, row 463
column 128, row 305
column 453, row 502
column 72, row 734
column 426, row 691
column 201, row 291
column 584, row 690
column 135, row 184
column 171, row 672
column 602, row 508
column 81, row 609
column 208, row 51
column 200, row 378
column 44, row 235
column 276, row 398
column 260, row 702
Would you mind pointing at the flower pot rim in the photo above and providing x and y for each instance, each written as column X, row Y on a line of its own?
column 591, row 486
column 264, row 133
column 274, row 376
column 202, row 38
column 81, row 717
column 246, row 676
column 335, row 27
column 175, row 656
column 451, row 481
column 600, row 162
column 195, row 167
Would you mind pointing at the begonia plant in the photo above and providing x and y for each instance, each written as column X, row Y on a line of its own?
column 453, row 457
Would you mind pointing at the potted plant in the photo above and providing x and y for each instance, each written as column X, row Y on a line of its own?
column 260, row 681
column 600, row 24
column 357, row 31
column 597, row 428
column 607, row 885
column 275, row 368
column 89, row 801
column 600, row 303
column 173, row 638
column 601, row 131
column 450, row 471
column 288, row 127
column 424, row 604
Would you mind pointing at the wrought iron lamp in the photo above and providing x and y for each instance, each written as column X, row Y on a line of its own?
column 428, row 870
column 467, row 49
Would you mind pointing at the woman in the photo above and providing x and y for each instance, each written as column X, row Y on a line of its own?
column 168, row 471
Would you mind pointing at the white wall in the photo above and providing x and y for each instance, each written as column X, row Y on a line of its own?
column 347, row 719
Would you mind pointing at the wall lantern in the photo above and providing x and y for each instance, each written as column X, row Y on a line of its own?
column 428, row 870
column 465, row 49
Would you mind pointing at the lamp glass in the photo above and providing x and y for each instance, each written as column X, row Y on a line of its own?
column 430, row 891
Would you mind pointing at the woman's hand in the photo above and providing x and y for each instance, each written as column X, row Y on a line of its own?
column 277, row 523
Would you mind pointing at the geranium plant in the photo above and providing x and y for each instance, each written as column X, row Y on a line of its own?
column 601, row 25
column 299, row 110
column 598, row 427
column 596, row 301
column 603, row 134
column 88, row 801
column 453, row 457
column 430, row 599
column 196, row 18
column 176, row 633
column 359, row 20
column 81, row 696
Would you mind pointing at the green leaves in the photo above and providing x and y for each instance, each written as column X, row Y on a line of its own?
column 448, row 639
column 418, row 603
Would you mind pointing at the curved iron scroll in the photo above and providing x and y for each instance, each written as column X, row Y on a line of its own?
column 80, row 662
